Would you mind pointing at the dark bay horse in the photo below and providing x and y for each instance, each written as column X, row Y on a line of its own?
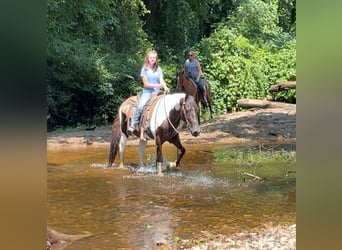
column 167, row 114
column 187, row 85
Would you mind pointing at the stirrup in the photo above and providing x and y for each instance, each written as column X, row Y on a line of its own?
column 130, row 130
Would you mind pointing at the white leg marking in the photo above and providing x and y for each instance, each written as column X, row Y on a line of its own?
column 123, row 141
column 141, row 151
column 159, row 169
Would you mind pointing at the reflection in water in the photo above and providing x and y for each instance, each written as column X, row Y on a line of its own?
column 135, row 210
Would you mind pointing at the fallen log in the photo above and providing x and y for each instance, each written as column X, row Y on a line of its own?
column 255, row 103
column 54, row 237
column 282, row 86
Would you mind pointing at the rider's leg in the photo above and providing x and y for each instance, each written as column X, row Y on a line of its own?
column 202, row 89
column 136, row 117
column 144, row 98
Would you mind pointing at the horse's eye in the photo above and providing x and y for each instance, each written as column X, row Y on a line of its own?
column 190, row 110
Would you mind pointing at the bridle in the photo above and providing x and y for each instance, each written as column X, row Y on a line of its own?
column 182, row 114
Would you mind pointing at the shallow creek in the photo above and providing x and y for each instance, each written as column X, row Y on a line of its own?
column 135, row 209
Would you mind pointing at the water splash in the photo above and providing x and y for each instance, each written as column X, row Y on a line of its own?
column 98, row 165
column 147, row 169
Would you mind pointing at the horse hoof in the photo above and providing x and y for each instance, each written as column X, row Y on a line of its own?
column 172, row 164
column 130, row 131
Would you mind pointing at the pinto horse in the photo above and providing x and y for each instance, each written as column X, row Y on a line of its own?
column 161, row 119
column 187, row 85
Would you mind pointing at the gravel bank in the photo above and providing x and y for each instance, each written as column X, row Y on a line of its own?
column 280, row 237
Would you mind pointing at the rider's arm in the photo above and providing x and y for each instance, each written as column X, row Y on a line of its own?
column 199, row 71
column 146, row 84
column 163, row 84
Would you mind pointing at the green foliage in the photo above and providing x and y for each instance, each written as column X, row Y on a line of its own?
column 256, row 18
column 287, row 16
column 245, row 66
column 91, row 68
column 96, row 48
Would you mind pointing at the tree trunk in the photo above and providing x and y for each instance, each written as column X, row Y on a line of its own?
column 255, row 103
column 283, row 86
column 150, row 20
column 54, row 237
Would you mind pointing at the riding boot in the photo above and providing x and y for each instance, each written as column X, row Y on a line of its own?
column 204, row 99
column 134, row 121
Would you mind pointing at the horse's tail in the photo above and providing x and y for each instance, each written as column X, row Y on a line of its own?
column 115, row 141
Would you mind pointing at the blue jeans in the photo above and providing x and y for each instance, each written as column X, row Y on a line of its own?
column 144, row 98
column 200, row 85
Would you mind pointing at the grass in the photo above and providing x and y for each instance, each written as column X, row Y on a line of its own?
column 258, row 162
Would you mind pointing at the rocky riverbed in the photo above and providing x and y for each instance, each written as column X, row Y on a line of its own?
column 279, row 237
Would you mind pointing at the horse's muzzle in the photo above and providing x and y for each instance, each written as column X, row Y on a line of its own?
column 195, row 133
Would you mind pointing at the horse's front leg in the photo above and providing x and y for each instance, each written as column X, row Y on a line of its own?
column 141, row 152
column 159, row 158
column 180, row 149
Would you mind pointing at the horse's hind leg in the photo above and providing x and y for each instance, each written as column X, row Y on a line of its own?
column 114, row 143
column 210, row 110
column 123, row 141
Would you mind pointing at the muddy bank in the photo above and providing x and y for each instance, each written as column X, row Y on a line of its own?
column 253, row 126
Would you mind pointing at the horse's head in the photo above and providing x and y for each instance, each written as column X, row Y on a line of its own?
column 185, row 84
column 179, row 82
column 190, row 114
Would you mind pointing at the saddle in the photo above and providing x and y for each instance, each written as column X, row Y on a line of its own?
column 130, row 105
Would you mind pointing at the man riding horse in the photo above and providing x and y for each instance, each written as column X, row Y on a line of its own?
column 193, row 70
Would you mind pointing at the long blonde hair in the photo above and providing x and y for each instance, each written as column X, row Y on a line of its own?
column 155, row 66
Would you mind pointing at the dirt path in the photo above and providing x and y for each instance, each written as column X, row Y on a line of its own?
column 275, row 126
